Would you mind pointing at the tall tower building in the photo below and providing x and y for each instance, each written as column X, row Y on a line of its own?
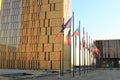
column 27, row 34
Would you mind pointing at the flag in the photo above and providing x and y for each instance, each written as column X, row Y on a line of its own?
column 80, row 45
column 83, row 39
column 91, row 49
column 96, row 50
column 66, row 25
column 76, row 33
column 68, row 38
column 88, row 48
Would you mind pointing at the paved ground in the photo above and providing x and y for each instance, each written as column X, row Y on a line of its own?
column 99, row 74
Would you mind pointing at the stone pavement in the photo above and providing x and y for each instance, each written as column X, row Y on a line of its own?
column 98, row 74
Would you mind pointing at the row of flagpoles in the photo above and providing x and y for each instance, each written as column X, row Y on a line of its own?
column 86, row 46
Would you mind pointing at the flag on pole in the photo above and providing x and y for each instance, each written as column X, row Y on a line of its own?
column 76, row 33
column 68, row 38
column 96, row 50
column 66, row 25
column 83, row 39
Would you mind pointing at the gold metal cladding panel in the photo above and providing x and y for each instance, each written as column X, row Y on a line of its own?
column 47, row 23
column 43, row 39
column 55, row 56
column 44, row 2
column 37, row 24
column 58, row 47
column 47, row 56
column 31, row 9
column 55, row 1
column 48, row 47
column 30, row 24
column 52, row 7
column 40, row 47
column 55, row 30
column 42, row 24
column 35, row 31
column 52, row 39
column 54, row 14
column 5, row 63
column 23, row 48
column 27, row 48
column 55, row 64
column 58, row 6
column 35, row 2
column 28, row 55
column 49, row 31
column 41, row 56
column 35, row 9
column 42, row 15
column 56, row 22
column 29, row 17
column 45, row 8
column 25, row 17
column 45, row 64
column 26, row 64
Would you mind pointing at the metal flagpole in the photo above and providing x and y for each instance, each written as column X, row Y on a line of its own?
column 117, row 53
column 62, row 55
column 79, row 50
column 73, row 47
column 105, row 53
column 87, row 51
column 84, row 48
column 60, row 67
column 75, row 51
column 70, row 50
column 116, row 48
column 92, row 56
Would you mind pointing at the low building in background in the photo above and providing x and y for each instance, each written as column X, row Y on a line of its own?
column 109, row 53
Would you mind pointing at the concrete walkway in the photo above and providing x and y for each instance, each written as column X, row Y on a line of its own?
column 99, row 74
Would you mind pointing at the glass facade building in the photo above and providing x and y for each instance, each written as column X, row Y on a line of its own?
column 110, row 53
column 27, row 34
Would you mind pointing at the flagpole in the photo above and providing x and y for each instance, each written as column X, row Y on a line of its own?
column 87, row 50
column 73, row 47
column 79, row 50
column 62, row 55
column 75, row 51
column 116, row 49
column 70, row 51
column 105, row 52
column 92, row 55
column 108, row 50
column 89, row 53
column 84, row 48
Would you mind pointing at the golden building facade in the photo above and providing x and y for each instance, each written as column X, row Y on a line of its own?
column 27, row 34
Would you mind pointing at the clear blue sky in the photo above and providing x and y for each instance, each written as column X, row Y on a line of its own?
column 101, row 18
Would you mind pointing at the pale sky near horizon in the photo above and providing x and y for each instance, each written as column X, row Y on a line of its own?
column 101, row 18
